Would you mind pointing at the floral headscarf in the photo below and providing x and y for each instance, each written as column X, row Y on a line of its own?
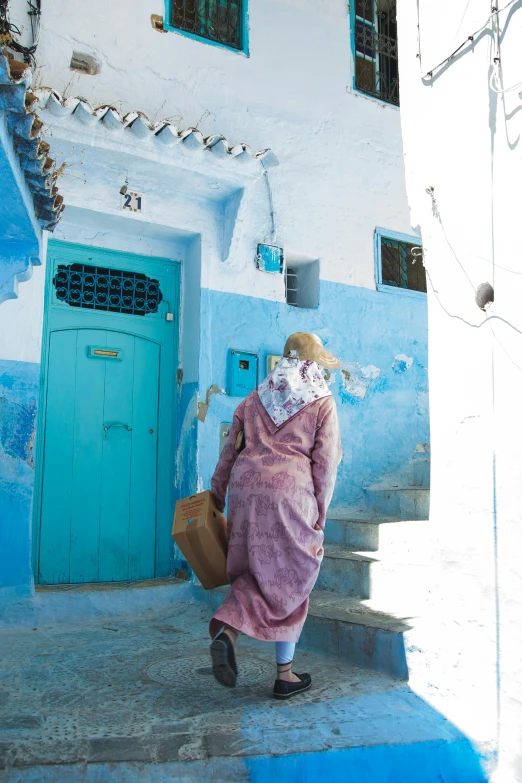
column 291, row 386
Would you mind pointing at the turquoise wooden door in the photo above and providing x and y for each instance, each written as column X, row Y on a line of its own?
column 105, row 497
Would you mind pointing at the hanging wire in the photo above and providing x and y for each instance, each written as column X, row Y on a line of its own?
column 8, row 30
column 495, row 81
column 436, row 213
column 489, row 317
column 486, row 320
column 428, row 76
column 272, row 210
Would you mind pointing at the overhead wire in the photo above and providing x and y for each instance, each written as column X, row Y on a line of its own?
column 495, row 11
column 428, row 76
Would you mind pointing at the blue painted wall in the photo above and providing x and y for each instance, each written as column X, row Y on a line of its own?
column 382, row 400
column 18, row 400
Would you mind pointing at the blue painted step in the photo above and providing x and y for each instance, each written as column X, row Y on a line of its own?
column 345, row 572
column 343, row 627
column 408, row 502
column 358, row 531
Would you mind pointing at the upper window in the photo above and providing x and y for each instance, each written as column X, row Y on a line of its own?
column 397, row 267
column 376, row 53
column 217, row 21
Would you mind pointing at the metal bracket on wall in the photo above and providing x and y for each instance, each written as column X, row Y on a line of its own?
column 224, row 432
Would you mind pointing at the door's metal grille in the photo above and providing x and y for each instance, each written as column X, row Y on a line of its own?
column 399, row 267
column 112, row 290
column 216, row 20
column 376, row 51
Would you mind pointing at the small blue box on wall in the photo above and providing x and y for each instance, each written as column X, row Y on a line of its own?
column 270, row 258
column 242, row 373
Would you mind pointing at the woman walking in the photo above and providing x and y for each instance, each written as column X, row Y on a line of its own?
column 279, row 464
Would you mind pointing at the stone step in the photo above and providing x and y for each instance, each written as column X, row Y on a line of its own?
column 343, row 626
column 347, row 629
column 345, row 572
column 408, row 502
column 359, row 531
column 404, row 560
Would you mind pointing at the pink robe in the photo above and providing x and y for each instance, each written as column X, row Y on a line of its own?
column 280, row 487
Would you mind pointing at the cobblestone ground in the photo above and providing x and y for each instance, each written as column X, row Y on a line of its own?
column 137, row 692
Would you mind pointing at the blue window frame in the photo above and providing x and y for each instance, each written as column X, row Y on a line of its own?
column 217, row 22
column 397, row 269
column 375, row 49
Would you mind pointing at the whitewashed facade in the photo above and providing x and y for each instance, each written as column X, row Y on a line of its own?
column 461, row 125
column 166, row 115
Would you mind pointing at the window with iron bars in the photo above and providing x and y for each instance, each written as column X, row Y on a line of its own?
column 376, row 51
column 218, row 21
column 397, row 266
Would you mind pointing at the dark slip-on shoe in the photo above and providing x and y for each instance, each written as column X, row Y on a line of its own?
column 223, row 657
column 285, row 690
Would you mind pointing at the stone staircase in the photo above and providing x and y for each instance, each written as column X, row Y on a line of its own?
column 373, row 575
column 371, row 578
column 363, row 602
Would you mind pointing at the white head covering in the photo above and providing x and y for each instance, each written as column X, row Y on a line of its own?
column 291, row 386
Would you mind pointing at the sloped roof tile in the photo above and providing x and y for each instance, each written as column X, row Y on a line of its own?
column 144, row 129
column 25, row 127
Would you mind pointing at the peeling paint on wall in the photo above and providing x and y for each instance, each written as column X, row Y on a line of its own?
column 18, row 401
column 16, row 428
column 422, row 402
column 329, row 377
column 356, row 380
column 402, row 363
column 204, row 406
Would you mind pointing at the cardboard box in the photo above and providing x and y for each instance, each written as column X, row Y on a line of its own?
column 200, row 531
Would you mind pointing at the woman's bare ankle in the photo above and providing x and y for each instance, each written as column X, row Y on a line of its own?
column 284, row 672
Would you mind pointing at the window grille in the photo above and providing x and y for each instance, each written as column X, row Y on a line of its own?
column 376, row 51
column 216, row 20
column 112, row 290
column 399, row 267
column 292, row 286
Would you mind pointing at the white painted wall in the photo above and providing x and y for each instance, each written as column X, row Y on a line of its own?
column 21, row 319
column 464, row 140
column 341, row 171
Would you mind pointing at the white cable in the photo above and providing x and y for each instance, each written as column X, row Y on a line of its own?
column 495, row 82
column 428, row 76
column 272, row 211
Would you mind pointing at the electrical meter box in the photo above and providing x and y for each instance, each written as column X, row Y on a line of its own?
column 270, row 258
column 271, row 362
column 242, row 373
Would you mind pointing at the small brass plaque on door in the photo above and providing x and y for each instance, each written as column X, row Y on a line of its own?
column 105, row 353
column 99, row 352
